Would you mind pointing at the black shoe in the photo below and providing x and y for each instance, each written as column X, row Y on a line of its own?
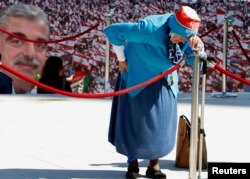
column 133, row 173
column 151, row 173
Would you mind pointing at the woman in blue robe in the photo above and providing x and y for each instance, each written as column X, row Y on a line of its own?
column 143, row 122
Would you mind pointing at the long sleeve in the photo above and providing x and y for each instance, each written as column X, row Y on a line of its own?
column 120, row 33
column 119, row 51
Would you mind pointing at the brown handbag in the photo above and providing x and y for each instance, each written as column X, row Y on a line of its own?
column 183, row 144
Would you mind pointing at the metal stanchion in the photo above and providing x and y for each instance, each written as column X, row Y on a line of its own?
column 201, row 132
column 107, row 85
column 194, row 119
column 224, row 94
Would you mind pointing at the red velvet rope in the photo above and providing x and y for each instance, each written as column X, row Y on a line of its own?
column 231, row 75
column 243, row 50
column 211, row 30
column 100, row 95
column 49, row 41
column 117, row 93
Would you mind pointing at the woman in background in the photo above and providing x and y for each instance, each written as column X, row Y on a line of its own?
column 53, row 75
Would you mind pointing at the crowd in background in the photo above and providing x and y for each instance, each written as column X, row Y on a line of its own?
column 88, row 51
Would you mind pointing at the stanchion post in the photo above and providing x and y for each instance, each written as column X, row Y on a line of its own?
column 201, row 132
column 107, row 85
column 194, row 119
column 224, row 63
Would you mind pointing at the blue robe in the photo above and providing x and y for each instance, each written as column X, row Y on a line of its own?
column 143, row 122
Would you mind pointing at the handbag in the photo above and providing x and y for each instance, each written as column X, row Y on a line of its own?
column 183, row 144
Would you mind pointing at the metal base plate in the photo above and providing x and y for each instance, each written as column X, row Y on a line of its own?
column 224, row 95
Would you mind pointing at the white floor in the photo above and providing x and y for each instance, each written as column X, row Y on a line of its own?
column 56, row 137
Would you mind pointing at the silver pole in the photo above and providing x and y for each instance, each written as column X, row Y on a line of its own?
column 224, row 94
column 202, row 124
column 224, row 65
column 194, row 120
column 106, row 87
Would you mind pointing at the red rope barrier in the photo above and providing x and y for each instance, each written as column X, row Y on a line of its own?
column 231, row 75
column 238, row 41
column 117, row 93
column 49, row 41
column 100, row 95
column 211, row 30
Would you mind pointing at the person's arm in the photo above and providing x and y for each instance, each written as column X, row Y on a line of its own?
column 119, row 51
column 120, row 33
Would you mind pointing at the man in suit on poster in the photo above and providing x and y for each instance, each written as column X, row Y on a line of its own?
column 26, row 21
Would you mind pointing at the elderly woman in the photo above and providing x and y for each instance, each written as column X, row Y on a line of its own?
column 143, row 122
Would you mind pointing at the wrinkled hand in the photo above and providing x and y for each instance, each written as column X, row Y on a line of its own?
column 123, row 66
column 196, row 43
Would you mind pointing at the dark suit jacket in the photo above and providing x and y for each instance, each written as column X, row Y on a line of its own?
column 5, row 84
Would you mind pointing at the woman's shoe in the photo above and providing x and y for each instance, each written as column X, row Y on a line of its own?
column 151, row 173
column 133, row 173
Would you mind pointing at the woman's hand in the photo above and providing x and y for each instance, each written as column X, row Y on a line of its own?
column 196, row 43
column 123, row 66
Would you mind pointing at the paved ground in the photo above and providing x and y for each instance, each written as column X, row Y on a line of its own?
column 55, row 137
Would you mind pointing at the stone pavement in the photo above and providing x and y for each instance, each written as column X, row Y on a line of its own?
column 57, row 137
